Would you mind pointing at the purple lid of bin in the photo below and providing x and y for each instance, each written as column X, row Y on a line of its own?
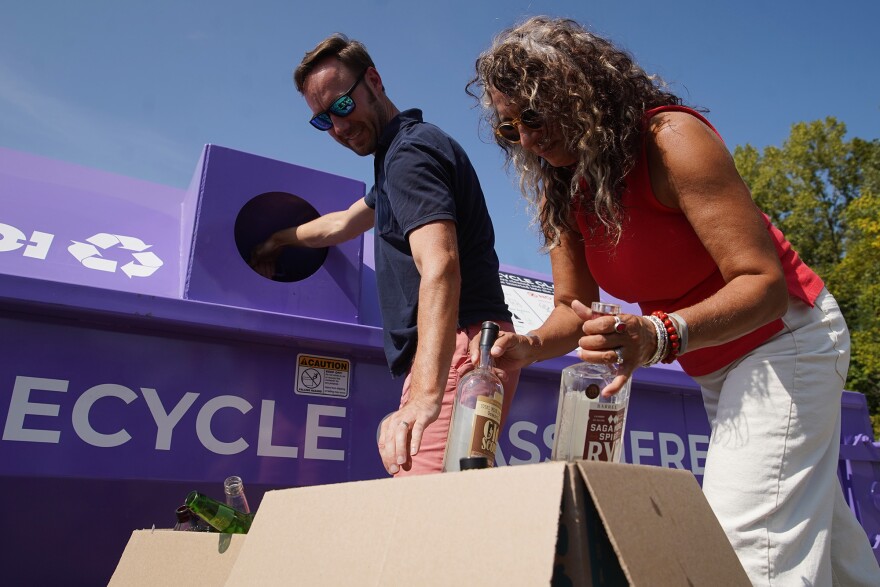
column 240, row 200
column 62, row 222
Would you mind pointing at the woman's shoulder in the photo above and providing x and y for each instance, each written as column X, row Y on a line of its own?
column 671, row 128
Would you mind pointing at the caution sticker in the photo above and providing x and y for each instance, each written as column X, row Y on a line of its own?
column 322, row 376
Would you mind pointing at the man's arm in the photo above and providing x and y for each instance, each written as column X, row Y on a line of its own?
column 327, row 230
column 435, row 251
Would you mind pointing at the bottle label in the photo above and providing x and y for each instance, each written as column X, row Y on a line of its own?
column 487, row 427
column 223, row 518
column 604, row 438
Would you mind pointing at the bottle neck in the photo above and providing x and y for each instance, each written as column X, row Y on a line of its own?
column 486, row 361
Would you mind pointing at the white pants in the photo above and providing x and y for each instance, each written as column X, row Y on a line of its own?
column 771, row 468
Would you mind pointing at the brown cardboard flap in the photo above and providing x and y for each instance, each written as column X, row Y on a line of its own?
column 164, row 557
column 484, row 527
column 661, row 526
column 572, row 565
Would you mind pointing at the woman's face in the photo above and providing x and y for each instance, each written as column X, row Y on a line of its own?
column 545, row 142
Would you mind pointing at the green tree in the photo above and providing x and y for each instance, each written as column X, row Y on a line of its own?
column 823, row 192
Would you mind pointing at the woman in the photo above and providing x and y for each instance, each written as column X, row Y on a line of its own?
column 638, row 195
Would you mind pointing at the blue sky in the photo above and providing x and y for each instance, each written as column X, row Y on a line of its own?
column 137, row 88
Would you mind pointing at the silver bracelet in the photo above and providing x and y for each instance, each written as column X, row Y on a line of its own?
column 662, row 341
column 682, row 332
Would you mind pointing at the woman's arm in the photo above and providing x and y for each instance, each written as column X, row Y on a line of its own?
column 693, row 171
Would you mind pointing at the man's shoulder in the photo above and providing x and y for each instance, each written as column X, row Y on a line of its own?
column 427, row 139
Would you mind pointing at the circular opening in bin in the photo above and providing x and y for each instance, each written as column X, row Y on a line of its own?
column 268, row 213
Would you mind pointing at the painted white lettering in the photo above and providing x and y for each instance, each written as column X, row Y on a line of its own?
column 203, row 424
column 21, row 406
column 83, row 406
column 42, row 241
column 519, row 442
column 165, row 422
column 265, row 448
column 638, row 451
column 549, row 436
column 314, row 431
column 11, row 238
column 698, row 455
column 673, row 460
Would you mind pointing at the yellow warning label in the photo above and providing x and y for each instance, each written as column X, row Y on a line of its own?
column 322, row 376
column 323, row 363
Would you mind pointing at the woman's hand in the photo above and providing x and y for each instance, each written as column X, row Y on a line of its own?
column 626, row 340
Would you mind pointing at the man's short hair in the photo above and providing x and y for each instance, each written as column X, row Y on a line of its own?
column 349, row 52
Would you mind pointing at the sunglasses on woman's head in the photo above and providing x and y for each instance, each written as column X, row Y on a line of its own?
column 509, row 129
column 341, row 106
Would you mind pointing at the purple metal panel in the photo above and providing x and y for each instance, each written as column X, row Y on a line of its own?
column 859, row 466
column 242, row 199
column 91, row 396
column 61, row 222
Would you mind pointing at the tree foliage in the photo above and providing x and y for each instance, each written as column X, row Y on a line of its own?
column 823, row 192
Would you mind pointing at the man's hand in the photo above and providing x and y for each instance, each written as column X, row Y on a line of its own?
column 264, row 257
column 511, row 351
column 400, row 435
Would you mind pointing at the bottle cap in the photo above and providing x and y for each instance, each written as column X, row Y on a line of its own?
column 466, row 463
column 488, row 334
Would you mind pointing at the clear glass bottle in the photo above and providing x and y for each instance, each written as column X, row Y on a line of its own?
column 476, row 412
column 219, row 515
column 588, row 425
column 235, row 497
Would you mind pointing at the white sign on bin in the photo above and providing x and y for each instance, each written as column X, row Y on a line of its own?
column 322, row 376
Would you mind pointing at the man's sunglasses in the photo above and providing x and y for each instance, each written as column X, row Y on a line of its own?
column 341, row 106
column 509, row 129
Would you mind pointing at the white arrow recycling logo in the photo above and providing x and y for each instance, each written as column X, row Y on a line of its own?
column 145, row 262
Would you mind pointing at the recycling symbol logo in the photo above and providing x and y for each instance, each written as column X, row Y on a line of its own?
column 143, row 264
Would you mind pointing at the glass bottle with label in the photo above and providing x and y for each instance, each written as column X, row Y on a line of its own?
column 219, row 515
column 588, row 425
column 476, row 412
column 235, row 498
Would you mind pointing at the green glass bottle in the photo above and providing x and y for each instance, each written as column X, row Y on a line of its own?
column 218, row 514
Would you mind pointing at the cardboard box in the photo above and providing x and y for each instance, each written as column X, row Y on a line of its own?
column 618, row 524
column 164, row 557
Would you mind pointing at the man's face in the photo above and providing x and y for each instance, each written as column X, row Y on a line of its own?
column 359, row 130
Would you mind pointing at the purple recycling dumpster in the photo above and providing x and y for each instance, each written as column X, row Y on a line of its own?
column 143, row 358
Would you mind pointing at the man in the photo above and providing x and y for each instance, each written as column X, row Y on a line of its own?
column 436, row 266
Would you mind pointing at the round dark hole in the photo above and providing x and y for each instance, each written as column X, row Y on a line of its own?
column 268, row 213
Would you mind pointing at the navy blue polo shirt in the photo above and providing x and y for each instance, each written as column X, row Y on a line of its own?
column 423, row 175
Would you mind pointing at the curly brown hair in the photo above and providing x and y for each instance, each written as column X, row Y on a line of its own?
column 593, row 92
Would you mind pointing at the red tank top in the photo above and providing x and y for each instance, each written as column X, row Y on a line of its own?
column 661, row 264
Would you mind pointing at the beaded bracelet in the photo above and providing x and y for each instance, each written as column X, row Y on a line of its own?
column 682, row 332
column 662, row 341
column 672, row 336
